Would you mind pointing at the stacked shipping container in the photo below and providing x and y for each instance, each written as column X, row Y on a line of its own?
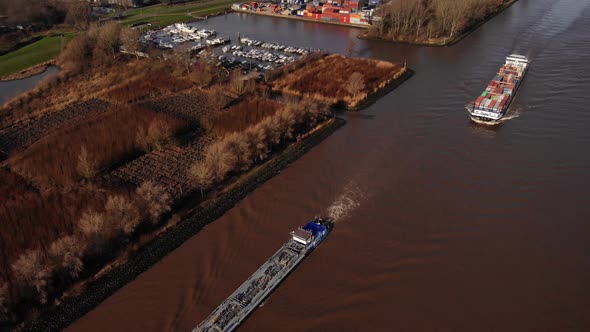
column 499, row 91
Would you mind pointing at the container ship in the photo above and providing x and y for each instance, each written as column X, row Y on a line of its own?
column 241, row 303
column 492, row 104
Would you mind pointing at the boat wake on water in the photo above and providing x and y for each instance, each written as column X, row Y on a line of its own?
column 346, row 202
column 509, row 116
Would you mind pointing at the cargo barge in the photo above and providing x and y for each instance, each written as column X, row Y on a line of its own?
column 241, row 303
column 492, row 105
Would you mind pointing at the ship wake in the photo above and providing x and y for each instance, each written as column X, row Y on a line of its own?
column 350, row 198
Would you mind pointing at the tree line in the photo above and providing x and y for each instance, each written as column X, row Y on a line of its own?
column 46, row 12
column 426, row 19
column 237, row 151
column 40, row 274
column 98, row 46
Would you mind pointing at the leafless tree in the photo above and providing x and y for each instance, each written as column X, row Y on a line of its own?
column 130, row 40
column 107, row 42
column 78, row 13
column 92, row 224
column 66, row 254
column 350, row 48
column 86, row 165
column 95, row 230
column 31, row 270
column 155, row 137
column 202, row 175
column 77, row 54
column 5, row 302
column 157, row 201
column 355, row 84
column 184, row 59
column 122, row 214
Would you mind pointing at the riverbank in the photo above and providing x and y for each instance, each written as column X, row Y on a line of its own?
column 162, row 15
column 28, row 72
column 299, row 18
column 32, row 58
column 342, row 82
column 443, row 41
column 68, row 310
column 390, row 86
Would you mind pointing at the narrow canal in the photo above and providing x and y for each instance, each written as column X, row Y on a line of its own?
column 9, row 89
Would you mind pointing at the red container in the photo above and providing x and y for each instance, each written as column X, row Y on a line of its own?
column 478, row 100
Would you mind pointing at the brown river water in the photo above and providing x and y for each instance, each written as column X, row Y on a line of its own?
column 442, row 225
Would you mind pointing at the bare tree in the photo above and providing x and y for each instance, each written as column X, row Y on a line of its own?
column 66, row 254
column 350, row 48
column 86, row 165
column 130, row 40
column 155, row 137
column 107, row 42
column 202, row 175
column 95, row 230
column 92, row 224
column 78, row 13
column 237, row 83
column 31, row 270
column 122, row 213
column 355, row 84
column 184, row 59
column 77, row 54
column 156, row 199
column 5, row 302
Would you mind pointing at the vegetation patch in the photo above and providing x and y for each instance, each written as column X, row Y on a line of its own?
column 23, row 134
column 81, row 149
column 72, row 308
column 241, row 116
column 190, row 105
column 38, row 52
column 336, row 79
column 433, row 22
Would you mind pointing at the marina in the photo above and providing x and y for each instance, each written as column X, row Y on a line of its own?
column 246, row 53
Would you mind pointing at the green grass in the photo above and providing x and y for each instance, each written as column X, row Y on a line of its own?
column 160, row 21
column 159, row 15
column 30, row 55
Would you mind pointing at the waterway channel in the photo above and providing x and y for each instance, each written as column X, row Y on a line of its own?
column 9, row 89
column 443, row 225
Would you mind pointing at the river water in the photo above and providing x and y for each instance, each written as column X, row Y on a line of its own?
column 9, row 89
column 443, row 225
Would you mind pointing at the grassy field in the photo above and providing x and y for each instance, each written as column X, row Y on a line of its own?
column 160, row 15
column 30, row 55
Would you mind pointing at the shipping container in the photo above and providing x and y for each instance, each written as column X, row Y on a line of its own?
column 478, row 100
